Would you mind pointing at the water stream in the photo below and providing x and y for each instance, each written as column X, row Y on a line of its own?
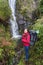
column 14, row 25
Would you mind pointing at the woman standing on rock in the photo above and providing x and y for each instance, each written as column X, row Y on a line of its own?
column 26, row 43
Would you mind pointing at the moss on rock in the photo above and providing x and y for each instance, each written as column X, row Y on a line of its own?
column 39, row 26
column 4, row 10
column 26, row 7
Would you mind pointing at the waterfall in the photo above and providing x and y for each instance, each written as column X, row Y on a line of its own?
column 14, row 25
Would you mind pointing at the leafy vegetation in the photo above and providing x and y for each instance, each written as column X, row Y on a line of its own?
column 7, row 45
column 41, row 6
column 5, row 11
column 26, row 8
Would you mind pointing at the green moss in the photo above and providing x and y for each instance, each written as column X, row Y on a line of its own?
column 1, row 55
column 4, row 10
column 39, row 26
column 41, row 6
column 25, row 8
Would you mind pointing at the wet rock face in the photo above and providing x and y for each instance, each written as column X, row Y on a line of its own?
column 26, row 8
column 26, row 11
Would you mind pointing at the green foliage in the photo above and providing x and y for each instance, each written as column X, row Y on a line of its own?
column 4, row 10
column 6, row 51
column 39, row 44
column 41, row 6
column 1, row 54
column 39, row 26
column 25, row 8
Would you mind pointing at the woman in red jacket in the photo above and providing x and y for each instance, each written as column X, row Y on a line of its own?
column 26, row 42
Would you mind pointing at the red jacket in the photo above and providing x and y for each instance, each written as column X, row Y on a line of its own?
column 26, row 39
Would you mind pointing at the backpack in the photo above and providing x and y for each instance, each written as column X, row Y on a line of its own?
column 33, row 37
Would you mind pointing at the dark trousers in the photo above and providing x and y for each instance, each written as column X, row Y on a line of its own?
column 26, row 48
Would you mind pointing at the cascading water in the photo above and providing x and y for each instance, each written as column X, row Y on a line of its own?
column 14, row 25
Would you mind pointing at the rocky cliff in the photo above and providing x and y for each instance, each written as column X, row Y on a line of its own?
column 27, row 10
